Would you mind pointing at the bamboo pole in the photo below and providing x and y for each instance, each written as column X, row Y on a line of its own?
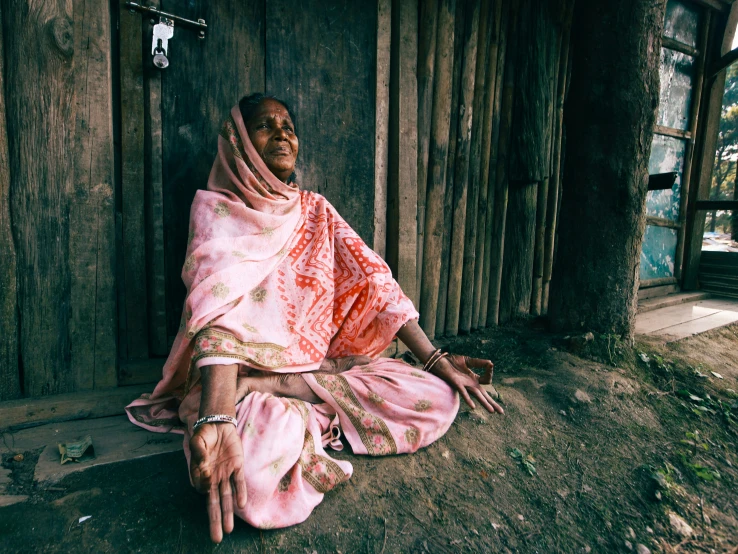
column 556, row 174
column 461, row 167
column 442, row 86
column 426, row 67
column 470, row 234
column 494, row 161
column 448, row 202
column 485, row 195
column 501, row 177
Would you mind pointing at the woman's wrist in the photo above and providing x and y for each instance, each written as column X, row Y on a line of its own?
column 218, row 390
column 416, row 340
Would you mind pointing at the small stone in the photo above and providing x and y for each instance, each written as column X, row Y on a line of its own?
column 495, row 526
column 562, row 412
column 629, row 545
column 446, row 454
column 18, row 458
column 642, row 549
column 520, row 517
column 631, row 533
column 608, row 525
column 657, row 495
column 588, row 549
column 680, row 526
column 649, row 530
column 586, row 488
column 582, row 397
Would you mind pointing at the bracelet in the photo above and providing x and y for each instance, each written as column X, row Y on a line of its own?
column 432, row 359
column 436, row 361
column 215, row 418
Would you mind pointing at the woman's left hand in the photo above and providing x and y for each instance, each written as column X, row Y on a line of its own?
column 456, row 371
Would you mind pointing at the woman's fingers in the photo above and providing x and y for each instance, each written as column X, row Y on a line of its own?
column 226, row 505
column 239, row 482
column 214, row 513
column 465, row 395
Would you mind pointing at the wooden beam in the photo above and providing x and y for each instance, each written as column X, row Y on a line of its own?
column 672, row 44
column 133, row 191
column 670, row 132
column 710, row 205
column 31, row 412
column 437, row 163
column 381, row 125
column 659, row 282
column 722, row 63
column 718, row 5
column 402, row 195
column 661, row 222
column 9, row 376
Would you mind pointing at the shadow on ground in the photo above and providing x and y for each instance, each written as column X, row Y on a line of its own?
column 604, row 451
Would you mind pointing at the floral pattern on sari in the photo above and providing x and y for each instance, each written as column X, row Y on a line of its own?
column 210, row 342
column 320, row 471
column 372, row 430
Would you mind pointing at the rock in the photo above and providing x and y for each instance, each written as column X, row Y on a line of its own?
column 588, row 549
column 642, row 549
column 631, row 533
column 520, row 517
column 680, row 526
column 582, row 397
column 629, row 545
column 649, row 530
column 657, row 495
column 18, row 458
column 562, row 412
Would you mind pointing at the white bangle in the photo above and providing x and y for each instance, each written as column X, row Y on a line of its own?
column 215, row 418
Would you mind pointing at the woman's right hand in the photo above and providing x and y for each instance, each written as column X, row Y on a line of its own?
column 216, row 469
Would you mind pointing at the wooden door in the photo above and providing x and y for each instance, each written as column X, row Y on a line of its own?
column 319, row 56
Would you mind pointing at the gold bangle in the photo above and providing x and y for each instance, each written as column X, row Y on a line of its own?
column 436, row 361
column 432, row 359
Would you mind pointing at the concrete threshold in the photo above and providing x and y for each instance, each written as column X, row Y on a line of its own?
column 685, row 319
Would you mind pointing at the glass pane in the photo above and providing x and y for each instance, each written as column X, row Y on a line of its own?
column 721, row 231
column 659, row 250
column 667, row 154
column 676, row 73
column 682, row 21
column 722, row 186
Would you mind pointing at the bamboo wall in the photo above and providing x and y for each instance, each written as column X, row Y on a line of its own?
column 491, row 85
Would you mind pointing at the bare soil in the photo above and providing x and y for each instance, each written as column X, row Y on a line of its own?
column 595, row 451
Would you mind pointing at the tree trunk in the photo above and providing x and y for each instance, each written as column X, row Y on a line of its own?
column 612, row 107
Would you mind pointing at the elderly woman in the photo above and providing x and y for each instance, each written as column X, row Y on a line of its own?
column 287, row 311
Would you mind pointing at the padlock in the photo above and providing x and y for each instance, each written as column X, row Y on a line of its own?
column 161, row 61
column 163, row 31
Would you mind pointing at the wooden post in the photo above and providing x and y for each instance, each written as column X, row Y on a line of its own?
column 461, row 167
column 93, row 324
column 475, row 163
column 555, row 183
column 381, row 152
column 489, row 104
column 501, row 174
column 132, row 186
column 493, row 165
column 428, row 26
column 402, row 200
column 442, row 87
column 448, row 202
column 39, row 72
column 9, row 376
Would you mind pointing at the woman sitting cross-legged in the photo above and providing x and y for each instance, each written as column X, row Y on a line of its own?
column 287, row 311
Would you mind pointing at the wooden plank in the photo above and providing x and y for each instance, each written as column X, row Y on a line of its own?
column 9, row 376
column 427, row 35
column 448, row 202
column 658, row 282
column 39, row 70
column 437, row 162
column 93, row 324
column 672, row 44
column 132, row 186
column 475, row 162
column 381, row 125
column 708, row 205
column 205, row 80
column 499, row 219
column 402, row 198
column 671, row 132
column 153, row 179
column 662, row 222
column 30, row 412
column 490, row 87
column 461, row 166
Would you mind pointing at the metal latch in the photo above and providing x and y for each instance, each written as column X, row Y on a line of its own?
column 164, row 30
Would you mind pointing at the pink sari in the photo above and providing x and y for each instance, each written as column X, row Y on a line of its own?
column 277, row 281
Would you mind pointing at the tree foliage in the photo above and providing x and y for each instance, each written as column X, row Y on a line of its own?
column 723, row 185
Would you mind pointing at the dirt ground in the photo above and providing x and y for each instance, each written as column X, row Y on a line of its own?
column 602, row 449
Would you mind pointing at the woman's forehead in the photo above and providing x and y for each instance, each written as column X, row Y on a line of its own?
column 272, row 109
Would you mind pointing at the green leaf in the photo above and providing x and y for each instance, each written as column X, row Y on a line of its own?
column 516, row 454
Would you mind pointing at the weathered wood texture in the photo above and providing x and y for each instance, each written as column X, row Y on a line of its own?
column 321, row 57
column 134, row 341
column 461, row 166
column 381, row 125
column 448, row 201
column 39, row 75
column 205, row 80
column 437, row 163
column 9, row 376
column 475, row 162
column 486, row 151
column 614, row 89
column 402, row 194
column 427, row 36
column 92, row 326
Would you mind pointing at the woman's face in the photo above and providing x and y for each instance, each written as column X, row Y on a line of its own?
column 273, row 135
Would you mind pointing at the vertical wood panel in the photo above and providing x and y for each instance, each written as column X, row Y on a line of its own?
column 9, row 376
column 381, row 125
column 92, row 204
column 402, row 199
column 205, row 79
column 39, row 71
column 132, row 187
column 321, row 57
